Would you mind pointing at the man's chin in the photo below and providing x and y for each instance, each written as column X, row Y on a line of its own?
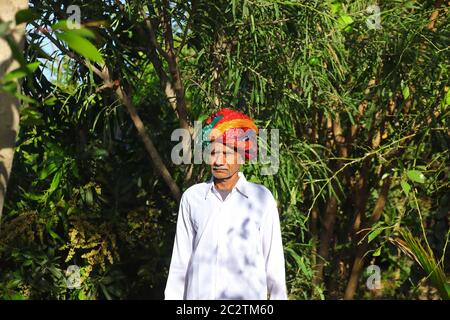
column 219, row 174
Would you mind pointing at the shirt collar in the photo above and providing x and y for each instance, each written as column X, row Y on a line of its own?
column 240, row 185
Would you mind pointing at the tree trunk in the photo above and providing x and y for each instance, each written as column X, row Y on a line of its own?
column 361, row 249
column 9, row 107
column 326, row 235
column 149, row 146
column 172, row 86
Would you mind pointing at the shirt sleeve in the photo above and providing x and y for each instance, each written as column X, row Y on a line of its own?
column 181, row 254
column 273, row 253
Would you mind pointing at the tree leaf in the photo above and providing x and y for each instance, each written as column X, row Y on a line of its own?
column 446, row 99
column 336, row 7
column 377, row 252
column 344, row 22
column 252, row 20
column 53, row 234
column 34, row 197
column 373, row 234
column 50, row 101
column 10, row 87
column 26, row 15
column 55, row 182
column 405, row 92
column 30, row 116
column 416, row 176
column 81, row 295
column 80, row 45
column 405, row 186
column 48, row 170
column 21, row 72
column 17, row 296
column 25, row 98
column 313, row 61
column 82, row 32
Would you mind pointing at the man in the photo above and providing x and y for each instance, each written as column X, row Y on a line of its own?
column 228, row 240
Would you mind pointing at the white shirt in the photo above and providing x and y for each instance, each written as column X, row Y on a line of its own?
column 227, row 249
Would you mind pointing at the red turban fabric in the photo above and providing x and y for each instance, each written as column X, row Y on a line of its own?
column 234, row 129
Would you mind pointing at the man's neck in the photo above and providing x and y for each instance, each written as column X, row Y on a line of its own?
column 227, row 183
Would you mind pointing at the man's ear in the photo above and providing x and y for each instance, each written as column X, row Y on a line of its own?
column 241, row 156
column 237, row 170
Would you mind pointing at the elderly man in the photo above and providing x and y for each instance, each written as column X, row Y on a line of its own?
column 228, row 241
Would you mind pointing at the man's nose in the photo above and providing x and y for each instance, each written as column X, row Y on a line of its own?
column 219, row 160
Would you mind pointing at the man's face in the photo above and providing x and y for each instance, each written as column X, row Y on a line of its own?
column 224, row 161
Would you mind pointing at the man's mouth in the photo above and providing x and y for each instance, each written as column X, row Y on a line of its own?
column 219, row 169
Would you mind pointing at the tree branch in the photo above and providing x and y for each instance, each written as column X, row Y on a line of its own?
column 104, row 74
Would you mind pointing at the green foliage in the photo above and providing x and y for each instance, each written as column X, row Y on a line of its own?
column 424, row 256
column 77, row 40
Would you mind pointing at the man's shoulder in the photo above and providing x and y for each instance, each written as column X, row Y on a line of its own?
column 256, row 187
column 260, row 191
column 196, row 189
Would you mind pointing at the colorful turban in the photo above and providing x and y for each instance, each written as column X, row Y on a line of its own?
column 232, row 128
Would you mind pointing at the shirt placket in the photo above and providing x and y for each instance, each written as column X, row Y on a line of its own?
column 217, row 269
column 222, row 227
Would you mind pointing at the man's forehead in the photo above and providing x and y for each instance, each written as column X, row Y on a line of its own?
column 220, row 147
